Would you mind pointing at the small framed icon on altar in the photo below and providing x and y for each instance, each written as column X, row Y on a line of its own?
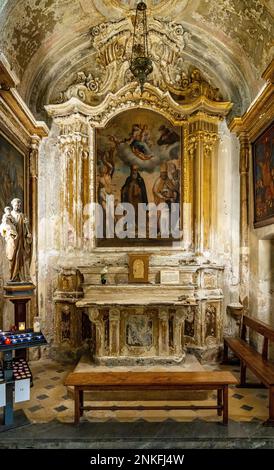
column 138, row 265
column 21, row 326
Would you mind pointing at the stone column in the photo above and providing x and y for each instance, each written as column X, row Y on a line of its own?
column 114, row 331
column 33, row 172
column 163, row 332
column 96, row 318
column 189, row 150
column 203, row 140
column 244, row 218
column 75, row 177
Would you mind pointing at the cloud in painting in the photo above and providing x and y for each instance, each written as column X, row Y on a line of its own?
column 159, row 154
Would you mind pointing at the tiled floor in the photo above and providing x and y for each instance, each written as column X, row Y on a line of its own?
column 49, row 401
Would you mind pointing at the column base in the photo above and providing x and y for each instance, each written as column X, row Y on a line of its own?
column 207, row 354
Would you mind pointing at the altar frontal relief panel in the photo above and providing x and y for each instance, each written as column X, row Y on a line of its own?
column 138, row 162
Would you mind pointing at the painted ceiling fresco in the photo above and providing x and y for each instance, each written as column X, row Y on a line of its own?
column 49, row 41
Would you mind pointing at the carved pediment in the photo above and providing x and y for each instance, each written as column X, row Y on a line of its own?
column 111, row 44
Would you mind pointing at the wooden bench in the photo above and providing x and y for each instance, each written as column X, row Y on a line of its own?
column 257, row 362
column 140, row 381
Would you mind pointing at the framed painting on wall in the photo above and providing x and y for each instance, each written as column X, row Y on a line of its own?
column 138, row 165
column 12, row 174
column 263, row 178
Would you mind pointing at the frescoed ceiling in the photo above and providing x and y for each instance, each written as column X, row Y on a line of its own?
column 48, row 42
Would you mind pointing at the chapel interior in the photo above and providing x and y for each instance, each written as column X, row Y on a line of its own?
column 107, row 106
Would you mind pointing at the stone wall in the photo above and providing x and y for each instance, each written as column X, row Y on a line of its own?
column 261, row 300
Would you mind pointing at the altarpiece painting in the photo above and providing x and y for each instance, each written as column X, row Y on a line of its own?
column 139, row 162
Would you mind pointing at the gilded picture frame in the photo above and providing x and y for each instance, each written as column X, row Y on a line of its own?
column 263, row 178
column 138, row 268
column 118, row 150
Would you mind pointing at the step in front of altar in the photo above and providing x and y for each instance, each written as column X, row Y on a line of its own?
column 191, row 364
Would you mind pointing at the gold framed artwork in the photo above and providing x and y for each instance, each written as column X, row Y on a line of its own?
column 13, row 178
column 138, row 265
column 138, row 163
column 263, row 178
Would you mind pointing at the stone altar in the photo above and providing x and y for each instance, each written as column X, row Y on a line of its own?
column 142, row 323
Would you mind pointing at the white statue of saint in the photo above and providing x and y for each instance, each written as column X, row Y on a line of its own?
column 15, row 230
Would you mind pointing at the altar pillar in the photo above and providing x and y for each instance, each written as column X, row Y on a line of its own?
column 202, row 146
column 96, row 318
column 177, row 332
column 163, row 332
column 114, row 332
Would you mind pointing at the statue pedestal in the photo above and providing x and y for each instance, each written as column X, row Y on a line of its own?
column 19, row 293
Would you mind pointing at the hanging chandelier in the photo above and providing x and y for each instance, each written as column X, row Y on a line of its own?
column 140, row 63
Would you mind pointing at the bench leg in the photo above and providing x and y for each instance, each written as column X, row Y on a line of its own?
column 225, row 353
column 219, row 401
column 81, row 400
column 225, row 405
column 270, row 421
column 76, row 405
column 243, row 374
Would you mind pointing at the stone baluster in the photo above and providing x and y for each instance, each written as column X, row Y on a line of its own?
column 114, row 331
column 95, row 317
column 178, row 334
column 163, row 332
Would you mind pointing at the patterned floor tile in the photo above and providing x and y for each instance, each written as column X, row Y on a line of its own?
column 61, row 408
column 42, row 397
column 35, row 408
column 238, row 396
column 247, row 407
column 249, row 404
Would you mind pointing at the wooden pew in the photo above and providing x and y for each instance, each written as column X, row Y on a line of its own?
column 257, row 362
column 148, row 380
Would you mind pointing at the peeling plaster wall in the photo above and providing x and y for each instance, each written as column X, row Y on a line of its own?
column 261, row 252
column 261, row 298
column 48, row 227
column 227, row 240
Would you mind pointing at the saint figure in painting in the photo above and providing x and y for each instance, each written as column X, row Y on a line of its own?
column 134, row 190
column 164, row 189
